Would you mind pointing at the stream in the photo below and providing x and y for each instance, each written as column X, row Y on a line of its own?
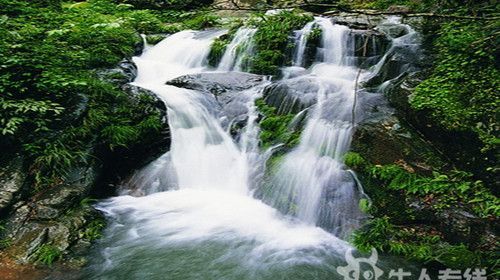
column 209, row 208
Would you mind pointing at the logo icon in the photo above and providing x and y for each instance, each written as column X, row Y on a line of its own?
column 360, row 268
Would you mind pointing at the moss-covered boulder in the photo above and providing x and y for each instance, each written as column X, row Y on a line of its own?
column 291, row 96
column 12, row 179
column 217, row 83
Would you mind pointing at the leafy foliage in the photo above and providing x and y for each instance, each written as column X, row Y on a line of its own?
column 274, row 127
column 47, row 254
column 168, row 4
column 398, row 229
column 354, row 160
column 462, row 92
column 272, row 42
column 447, row 190
column 418, row 244
column 93, row 230
column 53, row 105
column 456, row 6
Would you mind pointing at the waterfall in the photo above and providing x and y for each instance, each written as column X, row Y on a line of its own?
column 301, row 43
column 312, row 183
column 205, row 209
column 241, row 45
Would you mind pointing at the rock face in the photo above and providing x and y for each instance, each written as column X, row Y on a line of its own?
column 12, row 179
column 291, row 96
column 394, row 134
column 225, row 92
column 55, row 218
column 217, row 83
column 388, row 140
column 59, row 218
column 376, row 43
column 124, row 73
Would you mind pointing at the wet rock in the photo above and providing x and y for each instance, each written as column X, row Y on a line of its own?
column 386, row 141
column 217, row 83
column 62, row 233
column 392, row 30
column 357, row 20
column 460, row 226
column 400, row 61
column 151, row 146
column 369, row 43
column 291, row 96
column 400, row 9
column 12, row 179
column 135, row 92
column 125, row 72
column 154, row 39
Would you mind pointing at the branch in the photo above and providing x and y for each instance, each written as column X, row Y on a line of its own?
column 431, row 15
column 235, row 4
column 362, row 12
column 356, row 83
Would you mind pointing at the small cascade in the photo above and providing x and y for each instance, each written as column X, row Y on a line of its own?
column 301, row 43
column 241, row 45
column 408, row 44
column 205, row 209
column 145, row 45
column 312, row 183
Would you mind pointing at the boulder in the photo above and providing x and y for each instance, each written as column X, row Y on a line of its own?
column 154, row 39
column 399, row 61
column 357, row 20
column 12, row 178
column 369, row 46
column 291, row 96
column 386, row 140
column 393, row 30
column 217, row 82
column 124, row 72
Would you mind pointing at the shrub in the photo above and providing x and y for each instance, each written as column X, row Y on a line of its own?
column 272, row 40
column 47, row 254
column 52, row 102
column 461, row 93
column 274, row 127
column 417, row 244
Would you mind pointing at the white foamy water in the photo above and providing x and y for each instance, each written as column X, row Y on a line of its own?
column 193, row 214
column 312, row 183
column 240, row 46
column 210, row 201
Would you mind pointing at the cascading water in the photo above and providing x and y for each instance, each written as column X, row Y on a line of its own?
column 311, row 182
column 241, row 45
column 301, row 43
column 193, row 214
column 208, row 226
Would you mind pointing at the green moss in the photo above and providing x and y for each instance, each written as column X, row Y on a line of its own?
column 274, row 127
column 267, row 62
column 201, row 21
column 220, row 44
column 93, row 230
column 217, row 50
column 47, row 254
column 314, row 36
column 354, row 160
column 419, row 244
column 447, row 189
column 397, row 228
column 155, row 39
column 462, row 94
column 272, row 41
column 461, row 7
